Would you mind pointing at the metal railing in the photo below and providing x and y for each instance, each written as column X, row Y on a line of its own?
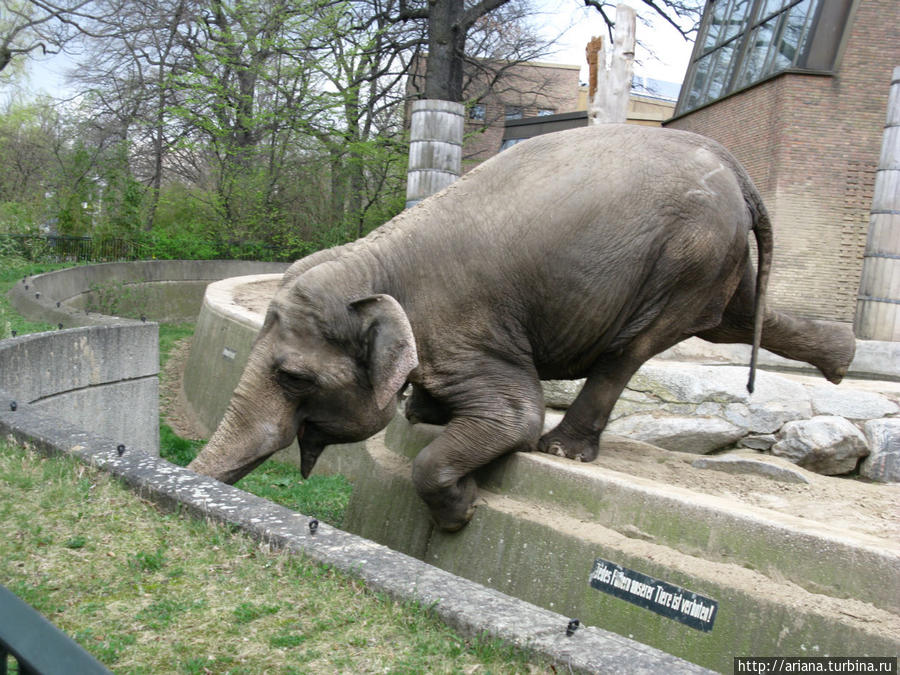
column 64, row 248
column 37, row 646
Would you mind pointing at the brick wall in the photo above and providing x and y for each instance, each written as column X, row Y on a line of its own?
column 811, row 144
column 529, row 86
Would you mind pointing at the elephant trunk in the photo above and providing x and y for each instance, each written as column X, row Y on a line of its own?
column 258, row 422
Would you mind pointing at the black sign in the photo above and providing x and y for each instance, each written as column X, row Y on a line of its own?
column 668, row 600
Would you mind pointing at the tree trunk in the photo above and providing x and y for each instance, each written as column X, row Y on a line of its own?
column 446, row 43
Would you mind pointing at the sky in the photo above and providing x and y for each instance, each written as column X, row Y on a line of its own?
column 670, row 52
column 667, row 61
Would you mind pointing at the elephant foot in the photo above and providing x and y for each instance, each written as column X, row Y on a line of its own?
column 840, row 347
column 579, row 447
column 453, row 507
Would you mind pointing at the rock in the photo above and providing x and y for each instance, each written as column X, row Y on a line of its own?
column 853, row 404
column 746, row 465
column 552, row 418
column 561, row 393
column 695, row 434
column 632, row 402
column 883, row 462
column 767, row 417
column 686, row 383
column 762, row 442
column 825, row 444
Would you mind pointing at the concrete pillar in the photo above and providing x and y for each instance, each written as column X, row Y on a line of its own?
column 610, row 102
column 435, row 148
column 878, row 307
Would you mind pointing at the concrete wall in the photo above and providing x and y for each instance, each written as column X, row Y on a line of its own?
column 223, row 336
column 162, row 290
column 101, row 378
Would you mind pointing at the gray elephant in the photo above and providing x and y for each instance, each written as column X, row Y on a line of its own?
column 576, row 254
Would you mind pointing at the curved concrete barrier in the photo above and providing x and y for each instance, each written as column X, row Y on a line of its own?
column 99, row 378
column 91, row 393
column 162, row 290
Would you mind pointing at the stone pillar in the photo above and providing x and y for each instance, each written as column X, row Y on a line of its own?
column 878, row 307
column 435, row 148
column 610, row 102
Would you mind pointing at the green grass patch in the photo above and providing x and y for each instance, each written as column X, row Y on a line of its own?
column 170, row 334
column 12, row 271
column 150, row 592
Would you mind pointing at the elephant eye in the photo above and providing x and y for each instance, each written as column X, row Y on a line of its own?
column 296, row 384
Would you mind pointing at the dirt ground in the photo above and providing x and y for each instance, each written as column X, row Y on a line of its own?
column 850, row 504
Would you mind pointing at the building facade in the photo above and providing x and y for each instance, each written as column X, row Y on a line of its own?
column 797, row 90
column 512, row 102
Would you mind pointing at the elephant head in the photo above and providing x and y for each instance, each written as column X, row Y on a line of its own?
column 323, row 369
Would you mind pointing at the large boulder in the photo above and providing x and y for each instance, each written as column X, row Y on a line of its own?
column 853, row 404
column 883, row 462
column 692, row 433
column 825, row 444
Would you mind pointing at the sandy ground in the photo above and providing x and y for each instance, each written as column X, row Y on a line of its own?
column 844, row 503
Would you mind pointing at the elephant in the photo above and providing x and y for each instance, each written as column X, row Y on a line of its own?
column 576, row 254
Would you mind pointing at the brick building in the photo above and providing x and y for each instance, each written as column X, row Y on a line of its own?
column 509, row 96
column 797, row 90
column 504, row 91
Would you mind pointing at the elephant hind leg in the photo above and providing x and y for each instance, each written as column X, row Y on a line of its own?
column 578, row 434
column 827, row 345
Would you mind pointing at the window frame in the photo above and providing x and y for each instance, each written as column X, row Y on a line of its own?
column 822, row 32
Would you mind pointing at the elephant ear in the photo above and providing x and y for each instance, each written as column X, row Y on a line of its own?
column 391, row 346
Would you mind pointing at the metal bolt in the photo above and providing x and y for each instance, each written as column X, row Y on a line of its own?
column 58, row 303
column 572, row 627
column 14, row 333
column 60, row 326
column 26, row 287
column 120, row 449
column 13, row 405
column 143, row 319
column 37, row 295
column 313, row 526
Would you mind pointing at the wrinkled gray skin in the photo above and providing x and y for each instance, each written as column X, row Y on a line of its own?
column 577, row 254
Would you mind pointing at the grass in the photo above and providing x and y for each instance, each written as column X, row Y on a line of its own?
column 152, row 592
column 11, row 273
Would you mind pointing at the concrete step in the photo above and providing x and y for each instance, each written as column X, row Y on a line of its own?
column 783, row 584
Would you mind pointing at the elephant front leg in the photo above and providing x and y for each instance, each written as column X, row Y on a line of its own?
column 441, row 471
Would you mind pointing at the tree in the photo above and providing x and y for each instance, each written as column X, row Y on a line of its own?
column 47, row 26
column 448, row 23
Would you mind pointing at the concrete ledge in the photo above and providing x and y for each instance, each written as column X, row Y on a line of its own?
column 171, row 290
column 471, row 608
column 784, row 585
column 105, row 376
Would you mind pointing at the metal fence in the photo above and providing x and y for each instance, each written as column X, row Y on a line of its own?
column 36, row 645
column 62, row 248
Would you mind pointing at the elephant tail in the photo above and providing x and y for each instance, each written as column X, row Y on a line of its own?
column 762, row 231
